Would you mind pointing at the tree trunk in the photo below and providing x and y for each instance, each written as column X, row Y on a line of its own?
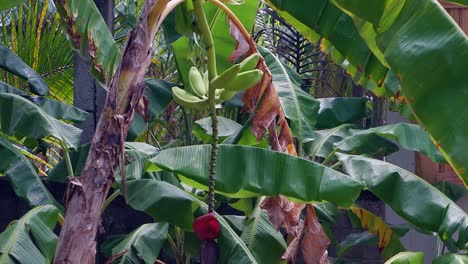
column 86, row 194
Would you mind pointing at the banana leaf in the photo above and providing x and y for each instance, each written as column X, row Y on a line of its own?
column 53, row 108
column 321, row 144
column 355, row 239
column 420, row 32
column 140, row 246
column 407, row 258
column 263, row 240
column 343, row 41
column 159, row 199
column 451, row 258
column 5, row 5
column 340, row 110
column 30, row 239
column 247, row 171
column 412, row 198
column 89, row 34
column 453, row 191
column 388, row 242
column 22, row 117
column 226, row 127
column 409, row 136
column 22, row 176
column 13, row 64
column 299, row 107
column 60, row 110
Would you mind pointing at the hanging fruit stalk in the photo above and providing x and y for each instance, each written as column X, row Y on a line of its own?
column 210, row 90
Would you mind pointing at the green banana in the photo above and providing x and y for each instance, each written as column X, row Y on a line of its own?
column 197, row 83
column 189, row 100
column 244, row 80
column 206, row 79
column 249, row 63
column 226, row 77
column 227, row 95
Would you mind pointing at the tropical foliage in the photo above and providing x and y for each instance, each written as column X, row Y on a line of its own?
column 287, row 164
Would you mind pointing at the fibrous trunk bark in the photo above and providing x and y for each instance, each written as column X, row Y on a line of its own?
column 86, row 194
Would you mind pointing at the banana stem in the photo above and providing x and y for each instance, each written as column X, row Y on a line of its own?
column 67, row 158
column 210, row 49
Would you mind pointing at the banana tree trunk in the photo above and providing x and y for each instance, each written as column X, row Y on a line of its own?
column 86, row 194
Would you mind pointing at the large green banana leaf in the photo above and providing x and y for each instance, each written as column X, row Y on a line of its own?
column 372, row 141
column 248, row 171
column 13, row 64
column 299, row 107
column 22, row 117
column 335, row 111
column 427, row 50
column 263, row 240
column 407, row 258
column 22, row 175
column 140, row 246
column 412, row 198
column 89, row 34
column 409, row 136
column 53, row 108
column 30, row 239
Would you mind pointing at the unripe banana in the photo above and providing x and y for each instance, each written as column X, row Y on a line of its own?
column 206, row 79
column 249, row 63
column 244, row 80
column 227, row 95
column 189, row 100
column 197, row 83
column 226, row 77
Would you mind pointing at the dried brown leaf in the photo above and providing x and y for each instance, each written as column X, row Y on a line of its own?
column 263, row 101
column 314, row 242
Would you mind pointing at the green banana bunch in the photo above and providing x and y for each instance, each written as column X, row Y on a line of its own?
column 199, row 84
column 237, row 78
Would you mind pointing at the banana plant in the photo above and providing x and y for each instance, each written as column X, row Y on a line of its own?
column 192, row 178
